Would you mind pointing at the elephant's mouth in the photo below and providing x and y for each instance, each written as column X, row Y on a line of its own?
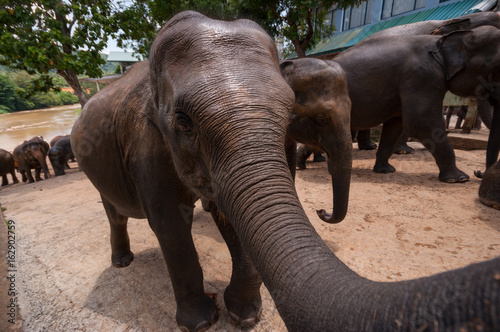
column 204, row 189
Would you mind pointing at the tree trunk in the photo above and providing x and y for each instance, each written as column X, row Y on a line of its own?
column 298, row 49
column 72, row 80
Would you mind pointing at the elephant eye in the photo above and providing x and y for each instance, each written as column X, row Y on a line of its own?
column 183, row 122
column 322, row 119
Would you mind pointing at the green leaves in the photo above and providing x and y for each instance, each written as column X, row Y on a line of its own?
column 39, row 36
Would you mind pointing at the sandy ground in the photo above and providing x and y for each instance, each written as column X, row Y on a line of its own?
column 399, row 226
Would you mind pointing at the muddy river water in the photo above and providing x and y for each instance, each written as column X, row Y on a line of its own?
column 19, row 126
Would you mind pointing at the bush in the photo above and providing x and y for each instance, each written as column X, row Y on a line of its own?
column 68, row 98
column 4, row 109
column 7, row 93
column 42, row 100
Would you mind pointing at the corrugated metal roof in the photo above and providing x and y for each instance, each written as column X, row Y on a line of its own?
column 342, row 41
column 115, row 56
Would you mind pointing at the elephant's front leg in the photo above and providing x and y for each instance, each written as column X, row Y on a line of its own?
column 29, row 176
column 391, row 132
column 242, row 296
column 121, row 255
column 171, row 221
column 38, row 172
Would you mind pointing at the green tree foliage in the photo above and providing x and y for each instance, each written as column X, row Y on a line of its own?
column 7, row 94
column 11, row 101
column 61, row 35
column 294, row 19
column 139, row 22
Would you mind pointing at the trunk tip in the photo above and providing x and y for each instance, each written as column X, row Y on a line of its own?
column 328, row 217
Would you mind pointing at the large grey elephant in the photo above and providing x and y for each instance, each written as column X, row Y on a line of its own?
column 422, row 69
column 442, row 27
column 207, row 117
column 321, row 119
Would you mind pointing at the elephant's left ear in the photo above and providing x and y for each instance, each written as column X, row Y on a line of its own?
column 450, row 52
column 452, row 25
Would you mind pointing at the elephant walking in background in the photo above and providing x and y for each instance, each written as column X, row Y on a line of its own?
column 489, row 190
column 7, row 166
column 32, row 155
column 422, row 68
column 484, row 83
column 59, row 154
column 321, row 120
column 207, row 117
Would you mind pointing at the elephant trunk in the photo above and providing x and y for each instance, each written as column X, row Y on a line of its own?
column 312, row 289
column 339, row 152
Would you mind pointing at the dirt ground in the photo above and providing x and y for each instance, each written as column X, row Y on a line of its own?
column 399, row 226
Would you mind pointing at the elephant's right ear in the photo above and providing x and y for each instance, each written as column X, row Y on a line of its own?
column 450, row 52
column 285, row 66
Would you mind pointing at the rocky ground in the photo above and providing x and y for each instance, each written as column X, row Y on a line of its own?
column 399, row 226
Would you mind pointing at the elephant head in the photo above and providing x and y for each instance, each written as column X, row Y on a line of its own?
column 471, row 63
column 224, row 109
column 321, row 118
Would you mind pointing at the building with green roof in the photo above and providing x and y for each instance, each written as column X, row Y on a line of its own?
column 354, row 24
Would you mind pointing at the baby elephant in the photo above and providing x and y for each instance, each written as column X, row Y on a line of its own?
column 489, row 190
column 59, row 154
column 6, row 167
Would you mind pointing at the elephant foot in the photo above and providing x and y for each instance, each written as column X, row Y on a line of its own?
column 404, row 149
column 123, row 259
column 16, row 181
column 456, row 176
column 301, row 165
column 38, row 179
column 367, row 145
column 478, row 174
column 197, row 316
column 384, row 168
column 245, row 310
column 318, row 157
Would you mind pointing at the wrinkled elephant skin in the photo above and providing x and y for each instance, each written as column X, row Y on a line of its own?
column 207, row 117
column 486, row 99
column 459, row 62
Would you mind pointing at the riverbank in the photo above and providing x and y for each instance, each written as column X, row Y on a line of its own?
column 48, row 122
column 399, row 226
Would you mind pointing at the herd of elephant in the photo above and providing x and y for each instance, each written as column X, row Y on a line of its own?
column 32, row 154
column 213, row 114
